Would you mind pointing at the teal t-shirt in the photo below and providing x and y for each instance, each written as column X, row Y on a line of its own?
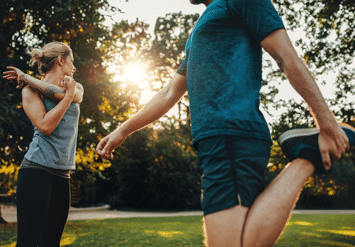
column 223, row 68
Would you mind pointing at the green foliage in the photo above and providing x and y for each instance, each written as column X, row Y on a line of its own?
column 329, row 45
column 176, row 169
column 171, row 34
column 128, row 44
column 335, row 191
column 156, row 169
column 329, row 30
column 14, row 127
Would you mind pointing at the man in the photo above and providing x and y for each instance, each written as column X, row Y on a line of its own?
column 222, row 74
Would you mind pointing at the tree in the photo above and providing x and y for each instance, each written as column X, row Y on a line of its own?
column 168, row 51
column 155, row 167
column 329, row 42
column 14, row 134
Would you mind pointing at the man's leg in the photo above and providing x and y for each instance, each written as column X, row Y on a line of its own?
column 267, row 217
column 224, row 228
column 233, row 177
column 271, row 210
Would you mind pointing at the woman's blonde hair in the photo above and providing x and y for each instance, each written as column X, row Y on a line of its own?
column 47, row 57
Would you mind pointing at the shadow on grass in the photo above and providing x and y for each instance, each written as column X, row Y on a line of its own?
column 319, row 230
column 165, row 231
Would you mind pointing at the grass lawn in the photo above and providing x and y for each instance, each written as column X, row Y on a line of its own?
column 302, row 230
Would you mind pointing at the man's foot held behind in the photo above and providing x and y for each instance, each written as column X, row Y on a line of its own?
column 303, row 143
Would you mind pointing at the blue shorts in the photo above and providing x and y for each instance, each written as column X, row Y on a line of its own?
column 232, row 171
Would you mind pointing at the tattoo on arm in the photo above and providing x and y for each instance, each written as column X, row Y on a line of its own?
column 51, row 90
column 44, row 88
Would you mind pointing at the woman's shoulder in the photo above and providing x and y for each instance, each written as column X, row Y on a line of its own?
column 28, row 92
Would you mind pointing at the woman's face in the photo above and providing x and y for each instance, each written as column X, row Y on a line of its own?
column 68, row 65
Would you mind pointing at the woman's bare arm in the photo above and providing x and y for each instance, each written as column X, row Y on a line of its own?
column 51, row 91
column 47, row 89
column 46, row 122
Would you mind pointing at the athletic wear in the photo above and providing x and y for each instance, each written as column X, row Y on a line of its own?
column 26, row 164
column 43, row 192
column 303, row 143
column 58, row 149
column 233, row 171
column 223, row 76
column 223, row 68
column 43, row 201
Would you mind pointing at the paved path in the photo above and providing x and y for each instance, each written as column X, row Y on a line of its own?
column 9, row 213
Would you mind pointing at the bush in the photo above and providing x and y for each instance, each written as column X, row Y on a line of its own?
column 157, row 169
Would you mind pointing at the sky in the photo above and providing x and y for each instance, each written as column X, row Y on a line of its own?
column 149, row 10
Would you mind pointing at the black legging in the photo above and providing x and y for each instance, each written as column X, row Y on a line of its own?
column 42, row 208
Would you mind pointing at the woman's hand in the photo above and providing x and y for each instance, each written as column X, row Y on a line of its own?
column 14, row 73
column 69, row 85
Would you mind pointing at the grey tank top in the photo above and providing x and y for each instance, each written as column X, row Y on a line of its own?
column 58, row 149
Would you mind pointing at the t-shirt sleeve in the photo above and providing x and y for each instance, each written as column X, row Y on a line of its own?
column 258, row 16
column 182, row 69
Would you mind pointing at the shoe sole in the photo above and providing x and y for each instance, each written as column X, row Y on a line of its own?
column 294, row 133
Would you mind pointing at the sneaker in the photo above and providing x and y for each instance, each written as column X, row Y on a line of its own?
column 350, row 132
column 303, row 143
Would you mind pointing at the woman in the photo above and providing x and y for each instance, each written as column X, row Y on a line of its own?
column 52, row 105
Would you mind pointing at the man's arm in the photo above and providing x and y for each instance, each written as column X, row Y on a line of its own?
column 333, row 142
column 159, row 105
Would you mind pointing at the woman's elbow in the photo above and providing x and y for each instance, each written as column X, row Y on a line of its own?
column 46, row 131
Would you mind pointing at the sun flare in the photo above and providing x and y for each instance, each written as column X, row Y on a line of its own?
column 135, row 73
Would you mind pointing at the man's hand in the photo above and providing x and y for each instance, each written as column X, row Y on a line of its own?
column 109, row 143
column 159, row 105
column 14, row 73
column 333, row 143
